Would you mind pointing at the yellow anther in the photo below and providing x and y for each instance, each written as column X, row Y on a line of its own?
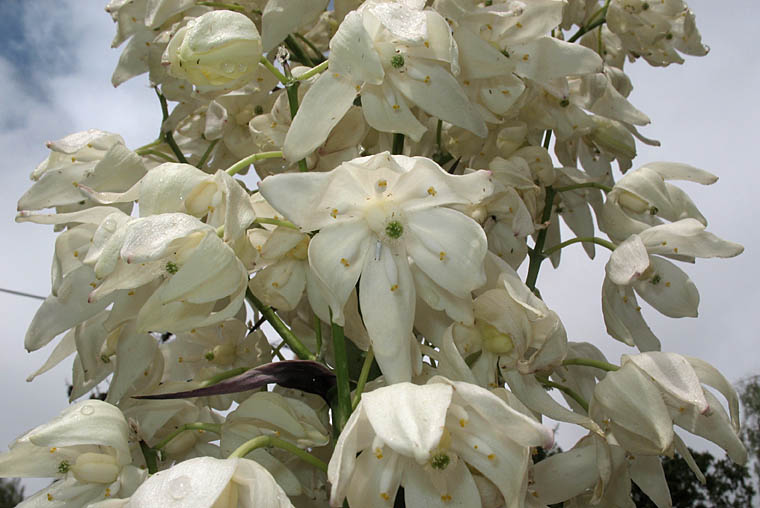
column 73, row 159
column 519, row 25
column 664, row 243
column 625, row 299
column 491, row 456
column 394, row 287
column 275, row 285
column 345, row 262
column 334, row 213
column 131, row 293
column 525, row 57
column 336, row 75
column 445, row 498
column 53, row 449
column 76, row 253
column 382, row 183
column 108, row 492
column 466, row 82
column 505, row 92
column 462, row 422
column 441, row 255
column 385, row 496
column 358, row 87
column 180, row 359
column 193, row 330
column 378, row 453
column 431, row 190
column 667, row 284
column 675, row 249
column 427, row 80
column 50, row 497
column 396, row 107
column 427, row 44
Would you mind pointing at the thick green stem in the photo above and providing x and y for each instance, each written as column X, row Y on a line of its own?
column 343, row 408
column 584, row 239
column 398, row 144
column 274, row 70
column 587, row 185
column 157, row 153
column 168, row 136
column 569, row 391
column 276, row 222
column 281, row 328
column 363, row 375
column 216, row 428
column 588, row 362
column 313, row 71
column 317, row 52
column 222, row 376
column 151, row 457
column 594, row 21
column 222, row 5
column 537, row 254
column 318, row 335
column 244, row 163
column 207, row 153
column 139, row 151
column 267, row 441
column 298, row 51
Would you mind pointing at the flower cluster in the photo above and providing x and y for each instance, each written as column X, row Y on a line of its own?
column 367, row 266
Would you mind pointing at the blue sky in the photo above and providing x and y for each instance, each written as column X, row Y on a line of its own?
column 55, row 68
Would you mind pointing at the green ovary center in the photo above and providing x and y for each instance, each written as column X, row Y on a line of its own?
column 394, row 229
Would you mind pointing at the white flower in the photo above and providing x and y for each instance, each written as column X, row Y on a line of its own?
column 219, row 50
column 390, row 52
column 373, row 213
column 206, row 482
column 85, row 447
column 424, row 438
column 661, row 283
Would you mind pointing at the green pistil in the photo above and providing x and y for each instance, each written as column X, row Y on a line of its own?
column 394, row 229
column 656, row 279
column 440, row 461
column 64, row 466
column 172, row 268
column 397, row 61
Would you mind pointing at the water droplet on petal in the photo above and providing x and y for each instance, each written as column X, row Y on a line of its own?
column 228, row 67
column 87, row 409
column 179, row 487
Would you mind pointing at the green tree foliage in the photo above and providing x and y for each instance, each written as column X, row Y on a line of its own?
column 11, row 492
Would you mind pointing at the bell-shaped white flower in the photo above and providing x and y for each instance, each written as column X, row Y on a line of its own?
column 639, row 263
column 219, row 50
column 373, row 213
column 85, row 447
column 206, row 482
column 395, row 55
column 424, row 438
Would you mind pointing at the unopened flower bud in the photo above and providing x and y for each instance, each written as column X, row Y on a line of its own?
column 217, row 51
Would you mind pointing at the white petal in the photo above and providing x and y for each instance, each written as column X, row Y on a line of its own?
column 134, row 354
column 565, row 475
column 480, row 59
column 387, row 111
column 673, row 375
column 425, row 184
column 647, row 473
column 154, row 237
column 669, row 289
column 628, row 261
column 461, row 489
column 281, row 17
column 409, row 418
column 449, row 247
column 710, row 376
column 375, row 480
column 86, row 423
column 438, row 93
column 337, row 255
column 679, row 171
column 356, row 436
column 550, row 58
column 386, row 300
column 623, row 319
column 352, row 52
column 687, row 237
column 324, row 104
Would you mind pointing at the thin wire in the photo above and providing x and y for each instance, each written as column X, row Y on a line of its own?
column 20, row 293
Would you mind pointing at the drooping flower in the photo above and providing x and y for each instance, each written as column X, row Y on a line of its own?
column 373, row 213
column 424, row 438
column 219, row 50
